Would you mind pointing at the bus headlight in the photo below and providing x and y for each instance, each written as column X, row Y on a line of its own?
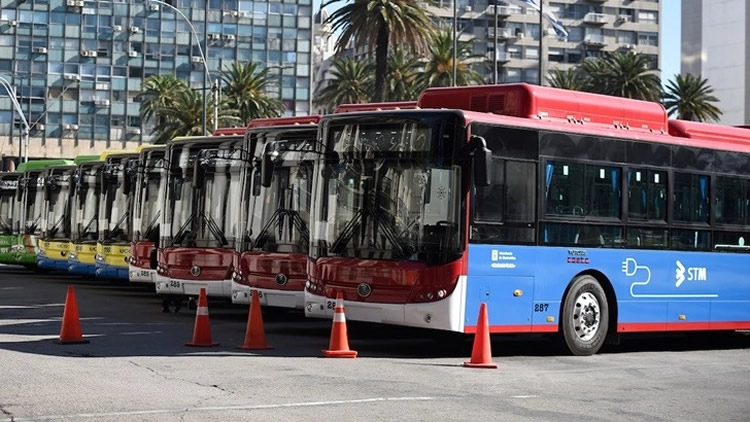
column 99, row 258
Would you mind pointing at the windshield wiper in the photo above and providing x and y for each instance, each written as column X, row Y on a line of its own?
column 381, row 224
column 177, row 239
column 85, row 230
column 152, row 224
column 32, row 228
column 276, row 220
column 215, row 230
column 56, row 227
column 119, row 223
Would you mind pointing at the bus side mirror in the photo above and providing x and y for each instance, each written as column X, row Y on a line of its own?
column 482, row 161
column 266, row 167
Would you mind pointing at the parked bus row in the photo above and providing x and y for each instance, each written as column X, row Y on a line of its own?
column 570, row 213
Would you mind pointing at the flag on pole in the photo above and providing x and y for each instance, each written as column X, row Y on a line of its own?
column 556, row 23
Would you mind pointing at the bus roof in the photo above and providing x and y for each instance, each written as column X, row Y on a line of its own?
column 41, row 165
column 112, row 152
column 83, row 158
column 285, row 121
column 396, row 105
column 545, row 103
column 209, row 138
column 143, row 147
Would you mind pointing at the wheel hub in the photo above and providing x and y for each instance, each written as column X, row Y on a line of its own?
column 586, row 316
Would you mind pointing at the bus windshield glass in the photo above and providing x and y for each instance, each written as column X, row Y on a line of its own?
column 151, row 189
column 205, row 217
column 218, row 204
column 85, row 218
column 390, row 188
column 34, row 203
column 7, row 204
column 279, row 216
column 115, row 205
column 57, row 223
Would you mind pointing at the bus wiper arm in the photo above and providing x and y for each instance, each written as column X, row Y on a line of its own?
column 214, row 228
column 177, row 239
column 119, row 222
column 32, row 228
column 152, row 224
column 56, row 227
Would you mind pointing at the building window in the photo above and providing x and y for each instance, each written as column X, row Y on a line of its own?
column 648, row 38
column 648, row 17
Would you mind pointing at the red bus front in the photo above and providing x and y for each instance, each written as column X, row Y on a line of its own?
column 273, row 251
column 389, row 220
column 199, row 226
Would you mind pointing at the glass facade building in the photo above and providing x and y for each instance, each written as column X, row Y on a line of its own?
column 78, row 65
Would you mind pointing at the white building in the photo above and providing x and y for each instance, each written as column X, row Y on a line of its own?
column 716, row 45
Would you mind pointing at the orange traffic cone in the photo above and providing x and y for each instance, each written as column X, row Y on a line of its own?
column 339, row 346
column 481, row 353
column 70, row 332
column 255, row 336
column 202, row 330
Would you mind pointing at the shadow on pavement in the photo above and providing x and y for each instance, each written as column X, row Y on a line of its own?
column 123, row 319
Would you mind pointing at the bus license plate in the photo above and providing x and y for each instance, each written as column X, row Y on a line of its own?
column 331, row 304
column 145, row 273
column 175, row 284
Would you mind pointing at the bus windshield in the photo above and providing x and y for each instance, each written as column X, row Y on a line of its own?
column 34, row 203
column 57, row 223
column 279, row 216
column 7, row 204
column 152, row 186
column 115, row 204
column 85, row 219
column 205, row 217
column 218, row 201
column 390, row 188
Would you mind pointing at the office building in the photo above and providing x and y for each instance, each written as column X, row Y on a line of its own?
column 79, row 65
column 595, row 27
column 716, row 46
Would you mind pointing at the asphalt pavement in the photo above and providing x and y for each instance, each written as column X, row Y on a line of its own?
column 136, row 367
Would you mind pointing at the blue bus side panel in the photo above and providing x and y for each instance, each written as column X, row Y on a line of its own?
column 666, row 289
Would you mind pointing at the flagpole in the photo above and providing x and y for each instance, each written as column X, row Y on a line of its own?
column 495, row 65
column 541, row 42
column 455, row 40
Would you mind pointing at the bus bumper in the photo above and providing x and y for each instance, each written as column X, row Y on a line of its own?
column 445, row 314
column 214, row 288
column 293, row 299
column 141, row 275
column 46, row 263
column 111, row 271
column 80, row 268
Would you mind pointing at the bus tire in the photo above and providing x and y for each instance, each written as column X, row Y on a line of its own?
column 585, row 316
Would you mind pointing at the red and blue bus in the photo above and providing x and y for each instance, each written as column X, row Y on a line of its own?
column 566, row 212
column 272, row 254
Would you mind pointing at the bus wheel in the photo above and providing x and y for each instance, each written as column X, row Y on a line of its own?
column 585, row 316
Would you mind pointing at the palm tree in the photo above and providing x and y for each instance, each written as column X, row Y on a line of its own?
column 570, row 79
column 627, row 75
column 351, row 83
column 403, row 69
column 374, row 24
column 438, row 70
column 689, row 97
column 246, row 90
column 184, row 117
column 157, row 93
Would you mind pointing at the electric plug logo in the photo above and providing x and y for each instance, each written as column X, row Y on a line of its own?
column 679, row 274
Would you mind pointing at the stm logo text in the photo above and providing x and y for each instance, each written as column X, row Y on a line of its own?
column 683, row 273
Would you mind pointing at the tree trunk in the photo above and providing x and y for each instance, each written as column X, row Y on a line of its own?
column 381, row 63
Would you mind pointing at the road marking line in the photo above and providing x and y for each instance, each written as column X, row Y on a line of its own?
column 528, row 396
column 220, row 408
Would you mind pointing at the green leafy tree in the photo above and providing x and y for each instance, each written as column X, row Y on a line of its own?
column 375, row 24
column 570, row 79
column 627, row 75
column 157, row 93
column 351, row 83
column 246, row 90
column 184, row 116
column 438, row 69
column 403, row 70
column 690, row 97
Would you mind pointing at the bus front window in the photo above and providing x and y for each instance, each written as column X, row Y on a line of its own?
column 87, row 212
column 279, row 217
column 7, row 201
column 218, row 220
column 58, row 220
column 390, row 190
column 34, row 202
column 150, row 205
